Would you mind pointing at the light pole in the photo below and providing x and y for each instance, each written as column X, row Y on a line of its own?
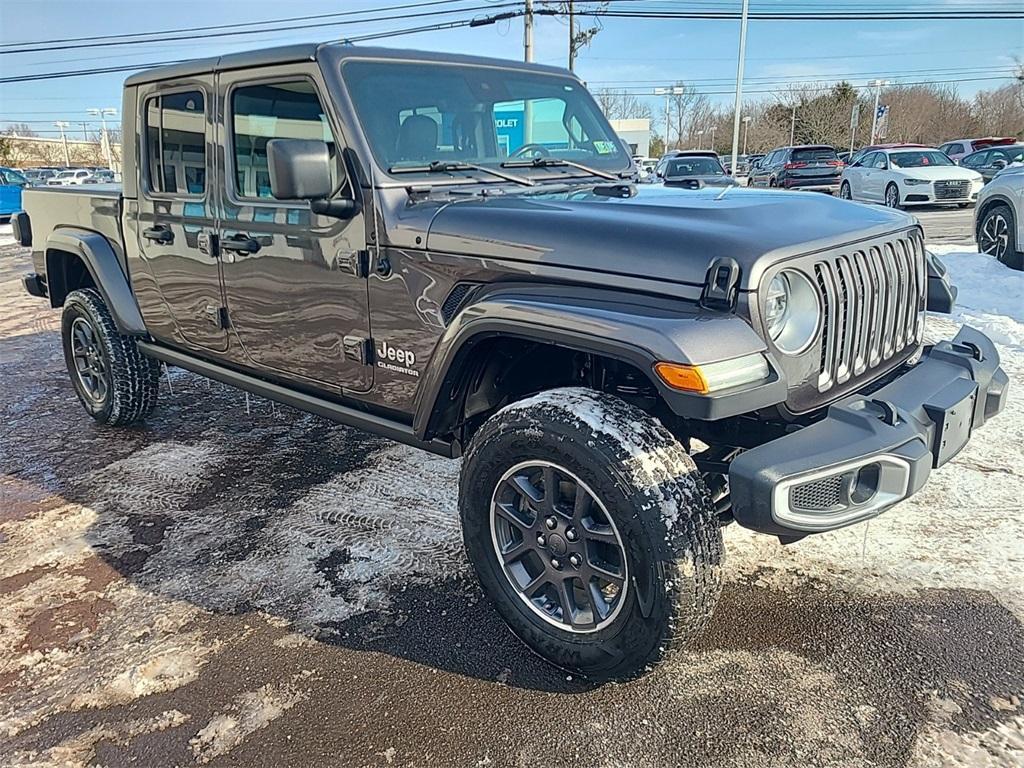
column 746, row 130
column 700, row 141
column 877, row 85
column 712, row 145
column 792, row 126
column 102, row 114
column 64, row 139
column 528, row 57
column 668, row 93
column 739, row 88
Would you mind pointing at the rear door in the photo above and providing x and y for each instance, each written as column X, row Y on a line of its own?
column 176, row 212
column 294, row 281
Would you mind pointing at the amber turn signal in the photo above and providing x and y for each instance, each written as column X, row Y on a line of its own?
column 685, row 377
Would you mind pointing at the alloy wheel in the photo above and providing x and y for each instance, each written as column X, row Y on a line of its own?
column 994, row 237
column 558, row 547
column 844, row 192
column 892, row 197
column 90, row 361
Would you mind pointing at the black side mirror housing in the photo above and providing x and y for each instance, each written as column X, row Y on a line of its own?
column 300, row 169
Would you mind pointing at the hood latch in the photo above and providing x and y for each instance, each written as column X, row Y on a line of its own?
column 721, row 284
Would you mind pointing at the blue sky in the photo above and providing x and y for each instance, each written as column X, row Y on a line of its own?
column 634, row 53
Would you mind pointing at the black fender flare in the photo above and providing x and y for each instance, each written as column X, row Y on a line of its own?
column 640, row 331
column 100, row 259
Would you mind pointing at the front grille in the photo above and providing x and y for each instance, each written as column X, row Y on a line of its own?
column 951, row 190
column 871, row 306
column 818, row 495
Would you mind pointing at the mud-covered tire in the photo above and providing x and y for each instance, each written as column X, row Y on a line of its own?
column 132, row 379
column 656, row 498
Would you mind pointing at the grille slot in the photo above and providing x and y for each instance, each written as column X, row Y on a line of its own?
column 871, row 304
column 951, row 190
column 819, row 495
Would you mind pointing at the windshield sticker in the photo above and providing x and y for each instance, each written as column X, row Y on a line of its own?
column 605, row 147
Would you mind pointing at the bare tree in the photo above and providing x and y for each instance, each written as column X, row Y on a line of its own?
column 617, row 105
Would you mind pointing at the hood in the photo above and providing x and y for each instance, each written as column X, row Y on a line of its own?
column 660, row 233
column 938, row 173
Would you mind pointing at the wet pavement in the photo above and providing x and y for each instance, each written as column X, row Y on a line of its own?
column 237, row 583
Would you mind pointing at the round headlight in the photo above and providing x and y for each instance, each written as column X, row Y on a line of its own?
column 791, row 312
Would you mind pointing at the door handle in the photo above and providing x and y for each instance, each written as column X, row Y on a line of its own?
column 159, row 233
column 240, row 243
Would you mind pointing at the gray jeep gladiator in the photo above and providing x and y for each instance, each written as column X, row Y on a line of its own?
column 450, row 252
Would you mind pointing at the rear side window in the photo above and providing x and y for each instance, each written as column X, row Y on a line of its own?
column 281, row 110
column 814, row 154
column 176, row 143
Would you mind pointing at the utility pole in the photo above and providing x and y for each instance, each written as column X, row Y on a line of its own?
column 572, row 37
column 878, row 85
column 105, row 140
column 64, row 139
column 668, row 93
column 746, row 130
column 792, row 127
column 528, row 57
column 85, row 131
column 700, row 139
column 712, row 145
column 738, row 105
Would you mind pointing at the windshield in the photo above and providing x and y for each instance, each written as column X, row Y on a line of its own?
column 694, row 166
column 924, row 159
column 414, row 113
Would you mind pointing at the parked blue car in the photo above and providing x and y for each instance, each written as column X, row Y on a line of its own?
column 11, row 183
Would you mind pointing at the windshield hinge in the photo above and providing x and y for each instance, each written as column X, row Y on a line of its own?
column 721, row 284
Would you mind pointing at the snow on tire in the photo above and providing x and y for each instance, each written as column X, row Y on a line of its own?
column 130, row 379
column 659, row 508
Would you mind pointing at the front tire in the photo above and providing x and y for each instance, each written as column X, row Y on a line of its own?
column 997, row 238
column 115, row 382
column 892, row 196
column 591, row 530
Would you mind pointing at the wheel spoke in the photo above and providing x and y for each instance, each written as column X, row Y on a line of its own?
column 510, row 514
column 535, row 584
column 595, row 599
column 563, row 589
column 515, row 551
column 606, row 571
column 550, row 487
column 584, row 502
column 521, row 485
column 597, row 532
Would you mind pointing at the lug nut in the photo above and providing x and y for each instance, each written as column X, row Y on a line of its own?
column 556, row 563
column 551, row 523
column 571, row 534
column 575, row 560
column 542, row 540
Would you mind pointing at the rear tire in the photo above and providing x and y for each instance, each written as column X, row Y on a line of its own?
column 115, row 382
column 844, row 191
column 644, row 489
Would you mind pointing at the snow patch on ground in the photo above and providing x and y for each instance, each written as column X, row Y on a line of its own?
column 249, row 712
column 6, row 234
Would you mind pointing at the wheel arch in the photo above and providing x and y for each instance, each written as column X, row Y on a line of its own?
column 563, row 334
column 77, row 258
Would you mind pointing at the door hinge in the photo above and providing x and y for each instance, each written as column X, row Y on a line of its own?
column 358, row 349
column 359, row 263
column 209, row 243
column 217, row 315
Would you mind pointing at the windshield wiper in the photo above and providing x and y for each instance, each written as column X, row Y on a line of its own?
column 549, row 162
column 447, row 166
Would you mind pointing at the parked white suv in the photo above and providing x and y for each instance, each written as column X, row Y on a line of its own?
column 70, row 178
column 910, row 176
column 999, row 217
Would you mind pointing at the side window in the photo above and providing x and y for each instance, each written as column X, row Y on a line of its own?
column 976, row 160
column 881, row 161
column 176, row 143
column 282, row 110
column 869, row 160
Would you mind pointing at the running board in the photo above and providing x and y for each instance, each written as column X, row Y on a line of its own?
column 328, row 409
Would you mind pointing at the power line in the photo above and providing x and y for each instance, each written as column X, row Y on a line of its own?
column 200, row 33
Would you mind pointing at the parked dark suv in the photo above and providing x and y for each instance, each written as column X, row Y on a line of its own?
column 815, row 167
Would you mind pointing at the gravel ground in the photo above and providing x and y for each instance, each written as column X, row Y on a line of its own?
column 236, row 583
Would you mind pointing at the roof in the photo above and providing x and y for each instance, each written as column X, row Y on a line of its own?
column 337, row 52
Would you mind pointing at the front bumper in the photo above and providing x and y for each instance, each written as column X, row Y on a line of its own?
column 871, row 451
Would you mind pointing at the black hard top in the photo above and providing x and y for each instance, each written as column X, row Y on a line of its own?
column 311, row 52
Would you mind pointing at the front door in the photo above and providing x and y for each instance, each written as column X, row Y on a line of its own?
column 176, row 214
column 296, row 295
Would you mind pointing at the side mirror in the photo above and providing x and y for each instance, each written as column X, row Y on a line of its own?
column 300, row 169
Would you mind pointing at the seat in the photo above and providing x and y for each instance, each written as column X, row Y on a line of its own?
column 417, row 138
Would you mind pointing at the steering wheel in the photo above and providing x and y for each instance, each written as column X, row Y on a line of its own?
column 531, row 150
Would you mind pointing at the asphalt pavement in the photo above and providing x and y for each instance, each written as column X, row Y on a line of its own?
column 237, row 583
